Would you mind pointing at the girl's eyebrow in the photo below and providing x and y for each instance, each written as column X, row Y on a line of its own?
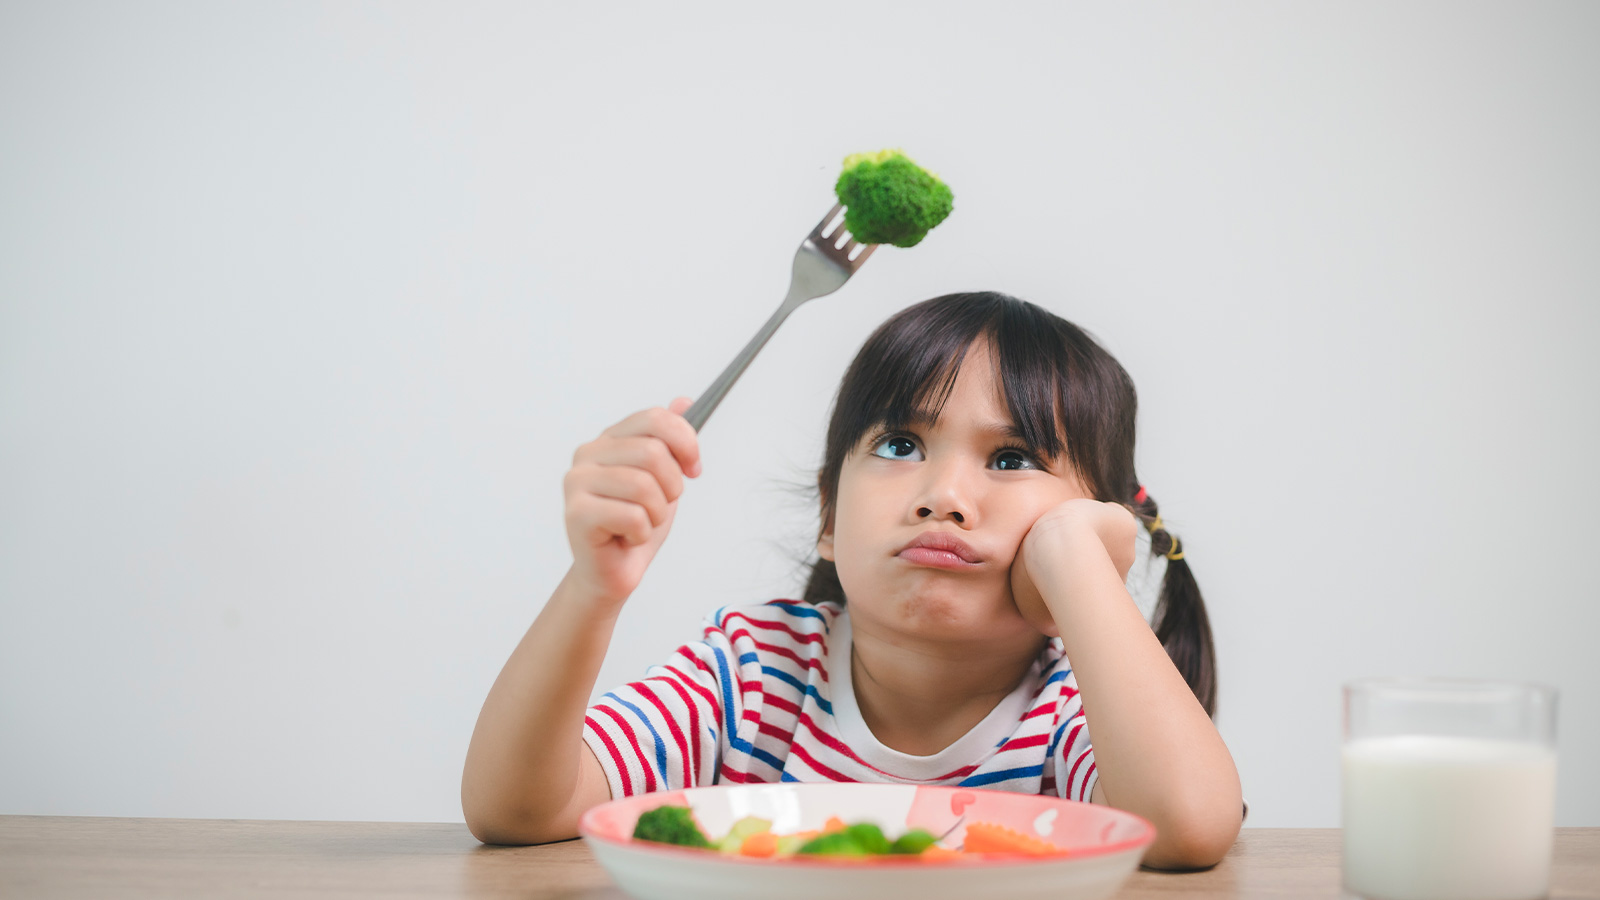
column 924, row 419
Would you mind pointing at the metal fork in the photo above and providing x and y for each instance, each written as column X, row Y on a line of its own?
column 825, row 261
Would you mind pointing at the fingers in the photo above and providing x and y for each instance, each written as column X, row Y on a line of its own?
column 667, row 426
column 598, row 520
column 645, row 455
column 621, row 482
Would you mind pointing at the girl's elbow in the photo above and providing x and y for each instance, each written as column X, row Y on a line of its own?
column 492, row 820
column 491, row 826
column 511, row 829
column 1190, row 849
column 1196, row 839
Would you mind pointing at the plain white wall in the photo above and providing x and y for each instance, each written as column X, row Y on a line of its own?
column 304, row 307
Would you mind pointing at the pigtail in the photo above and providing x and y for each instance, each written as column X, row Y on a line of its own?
column 823, row 584
column 1181, row 623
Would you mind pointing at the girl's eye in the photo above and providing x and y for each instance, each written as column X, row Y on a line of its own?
column 1014, row 459
column 896, row 447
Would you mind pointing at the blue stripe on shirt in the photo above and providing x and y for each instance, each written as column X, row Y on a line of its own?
column 1055, row 740
column 1001, row 775
column 806, row 689
column 785, row 677
column 725, row 682
column 734, row 741
column 825, row 705
column 767, row 758
column 661, row 747
column 799, row 610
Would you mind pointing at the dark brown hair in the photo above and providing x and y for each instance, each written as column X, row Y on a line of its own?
column 1058, row 382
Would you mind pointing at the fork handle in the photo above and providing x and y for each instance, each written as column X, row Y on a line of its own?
column 701, row 410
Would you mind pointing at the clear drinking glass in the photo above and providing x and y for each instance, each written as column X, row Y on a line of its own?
column 1449, row 789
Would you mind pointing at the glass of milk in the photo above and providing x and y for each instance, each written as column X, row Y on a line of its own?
column 1449, row 789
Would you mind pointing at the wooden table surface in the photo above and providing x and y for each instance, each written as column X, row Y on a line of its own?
column 50, row 856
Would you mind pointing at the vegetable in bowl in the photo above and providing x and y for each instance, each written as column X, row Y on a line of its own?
column 753, row 837
column 670, row 825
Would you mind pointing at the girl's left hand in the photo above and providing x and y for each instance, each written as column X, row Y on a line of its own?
column 1058, row 540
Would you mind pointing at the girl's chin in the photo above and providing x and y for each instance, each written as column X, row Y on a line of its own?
column 947, row 615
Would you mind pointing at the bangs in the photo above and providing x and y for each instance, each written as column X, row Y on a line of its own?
column 909, row 367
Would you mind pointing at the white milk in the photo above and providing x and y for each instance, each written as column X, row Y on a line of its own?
column 1429, row 818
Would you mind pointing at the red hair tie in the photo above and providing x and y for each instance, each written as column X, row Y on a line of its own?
column 1141, row 496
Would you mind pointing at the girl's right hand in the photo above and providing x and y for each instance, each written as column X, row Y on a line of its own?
column 621, row 495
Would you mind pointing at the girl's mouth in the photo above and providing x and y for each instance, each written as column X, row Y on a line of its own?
column 938, row 559
column 940, row 550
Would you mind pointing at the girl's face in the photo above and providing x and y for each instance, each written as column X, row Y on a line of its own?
column 963, row 476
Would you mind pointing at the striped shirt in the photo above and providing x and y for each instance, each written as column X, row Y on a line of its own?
column 765, row 696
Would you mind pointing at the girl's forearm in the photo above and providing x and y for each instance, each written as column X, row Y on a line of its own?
column 1156, row 751
column 523, row 764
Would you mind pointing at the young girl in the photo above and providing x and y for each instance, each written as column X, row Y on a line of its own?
column 979, row 520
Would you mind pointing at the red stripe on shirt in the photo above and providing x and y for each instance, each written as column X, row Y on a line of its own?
column 649, row 775
column 774, row 626
column 839, row 747
column 785, row 652
column 1084, row 795
column 616, row 756
column 694, row 718
column 780, row 703
column 771, row 730
column 817, row 767
column 698, row 688
column 1030, row 741
column 836, row 745
column 1066, row 745
column 677, row 733
column 1074, row 773
column 1040, row 710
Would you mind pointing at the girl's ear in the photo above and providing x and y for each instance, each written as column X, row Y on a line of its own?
column 825, row 546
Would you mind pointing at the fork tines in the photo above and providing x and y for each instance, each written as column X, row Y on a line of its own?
column 837, row 244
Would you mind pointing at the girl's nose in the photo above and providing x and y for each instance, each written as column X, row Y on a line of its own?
column 946, row 495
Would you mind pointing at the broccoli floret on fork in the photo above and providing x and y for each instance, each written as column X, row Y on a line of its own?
column 889, row 199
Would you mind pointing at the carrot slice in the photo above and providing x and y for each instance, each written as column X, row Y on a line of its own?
column 762, row 843
column 833, row 824
column 987, row 837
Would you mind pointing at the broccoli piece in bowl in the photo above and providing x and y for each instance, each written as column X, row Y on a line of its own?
column 670, row 825
column 834, row 843
column 889, row 199
column 913, row 842
column 863, row 839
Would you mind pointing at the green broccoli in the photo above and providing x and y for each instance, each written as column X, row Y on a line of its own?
column 834, row 843
column 862, row 839
column 889, row 199
column 670, row 825
column 913, row 842
column 870, row 838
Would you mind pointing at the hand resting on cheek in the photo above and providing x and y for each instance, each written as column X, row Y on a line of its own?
column 1068, row 535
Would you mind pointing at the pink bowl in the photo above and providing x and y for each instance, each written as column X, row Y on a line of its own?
column 1105, row 844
